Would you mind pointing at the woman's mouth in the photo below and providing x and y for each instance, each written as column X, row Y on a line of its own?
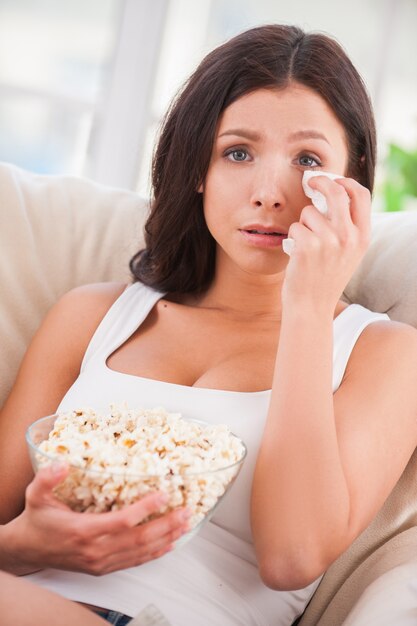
column 262, row 232
column 263, row 238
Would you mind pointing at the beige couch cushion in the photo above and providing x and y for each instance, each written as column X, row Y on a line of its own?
column 387, row 278
column 56, row 232
column 378, row 607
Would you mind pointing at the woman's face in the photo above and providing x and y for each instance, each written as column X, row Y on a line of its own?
column 264, row 142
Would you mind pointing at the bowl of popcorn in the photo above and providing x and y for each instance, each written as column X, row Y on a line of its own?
column 116, row 457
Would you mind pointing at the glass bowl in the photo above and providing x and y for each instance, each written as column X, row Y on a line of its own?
column 100, row 490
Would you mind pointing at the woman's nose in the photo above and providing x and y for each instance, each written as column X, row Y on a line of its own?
column 268, row 189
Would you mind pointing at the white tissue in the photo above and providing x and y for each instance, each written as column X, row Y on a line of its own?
column 317, row 199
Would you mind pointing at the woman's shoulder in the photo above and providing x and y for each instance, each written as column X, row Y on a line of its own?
column 391, row 344
column 94, row 298
column 75, row 316
column 390, row 331
column 88, row 304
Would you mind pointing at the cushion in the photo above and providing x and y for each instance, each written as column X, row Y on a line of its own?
column 56, row 232
column 389, row 599
column 388, row 543
column 386, row 280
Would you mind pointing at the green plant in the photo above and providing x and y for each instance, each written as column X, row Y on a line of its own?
column 401, row 177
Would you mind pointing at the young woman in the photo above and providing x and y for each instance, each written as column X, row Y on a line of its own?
column 221, row 325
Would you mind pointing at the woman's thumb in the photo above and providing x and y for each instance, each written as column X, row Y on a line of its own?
column 45, row 480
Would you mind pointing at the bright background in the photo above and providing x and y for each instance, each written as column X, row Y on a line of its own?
column 83, row 84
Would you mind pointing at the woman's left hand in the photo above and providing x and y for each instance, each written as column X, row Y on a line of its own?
column 328, row 248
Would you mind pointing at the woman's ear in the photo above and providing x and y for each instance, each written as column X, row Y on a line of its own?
column 201, row 188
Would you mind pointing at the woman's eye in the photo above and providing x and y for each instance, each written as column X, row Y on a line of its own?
column 237, row 154
column 307, row 160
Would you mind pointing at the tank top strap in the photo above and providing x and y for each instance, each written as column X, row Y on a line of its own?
column 347, row 328
column 120, row 322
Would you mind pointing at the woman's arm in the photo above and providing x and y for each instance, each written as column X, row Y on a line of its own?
column 49, row 368
column 327, row 463
column 45, row 532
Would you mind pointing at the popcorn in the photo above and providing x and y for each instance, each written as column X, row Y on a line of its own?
column 117, row 458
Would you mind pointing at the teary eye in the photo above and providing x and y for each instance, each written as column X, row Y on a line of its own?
column 306, row 160
column 237, row 154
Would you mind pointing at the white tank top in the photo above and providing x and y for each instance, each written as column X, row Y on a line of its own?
column 213, row 580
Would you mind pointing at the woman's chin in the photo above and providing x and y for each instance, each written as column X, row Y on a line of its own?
column 265, row 270
column 267, row 266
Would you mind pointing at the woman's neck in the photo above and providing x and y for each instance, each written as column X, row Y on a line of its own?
column 244, row 295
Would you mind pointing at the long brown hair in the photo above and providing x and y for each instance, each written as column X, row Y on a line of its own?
column 180, row 252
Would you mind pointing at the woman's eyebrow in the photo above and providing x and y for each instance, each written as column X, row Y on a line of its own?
column 242, row 132
column 255, row 136
column 307, row 134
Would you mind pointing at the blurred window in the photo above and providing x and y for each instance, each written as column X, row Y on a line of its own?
column 54, row 58
column 84, row 85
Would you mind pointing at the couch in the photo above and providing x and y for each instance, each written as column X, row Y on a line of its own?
column 58, row 232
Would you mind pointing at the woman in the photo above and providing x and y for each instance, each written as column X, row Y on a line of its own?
column 276, row 354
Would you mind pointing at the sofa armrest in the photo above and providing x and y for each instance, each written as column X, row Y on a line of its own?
column 390, row 599
column 384, row 553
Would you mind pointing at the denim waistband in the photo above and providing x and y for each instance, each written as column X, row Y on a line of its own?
column 113, row 617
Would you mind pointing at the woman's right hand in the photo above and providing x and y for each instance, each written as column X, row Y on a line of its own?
column 49, row 534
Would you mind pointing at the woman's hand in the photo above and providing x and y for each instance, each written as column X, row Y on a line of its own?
column 328, row 248
column 49, row 534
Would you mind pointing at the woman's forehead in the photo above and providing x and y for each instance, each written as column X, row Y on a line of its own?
column 282, row 112
column 291, row 102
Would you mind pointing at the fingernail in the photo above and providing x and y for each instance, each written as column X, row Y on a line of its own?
column 162, row 499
